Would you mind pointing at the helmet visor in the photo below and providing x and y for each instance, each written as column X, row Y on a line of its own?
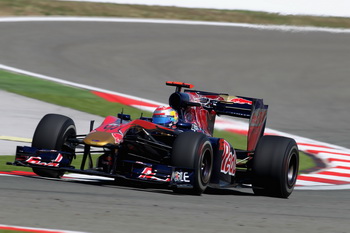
column 162, row 120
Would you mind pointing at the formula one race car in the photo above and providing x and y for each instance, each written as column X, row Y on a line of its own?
column 185, row 156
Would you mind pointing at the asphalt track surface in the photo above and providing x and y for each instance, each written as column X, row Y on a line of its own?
column 303, row 76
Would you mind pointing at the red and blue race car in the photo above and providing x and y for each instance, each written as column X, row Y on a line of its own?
column 184, row 155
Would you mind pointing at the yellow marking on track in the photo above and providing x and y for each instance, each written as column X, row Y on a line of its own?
column 15, row 139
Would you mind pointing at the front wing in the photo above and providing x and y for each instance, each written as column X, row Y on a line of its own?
column 131, row 170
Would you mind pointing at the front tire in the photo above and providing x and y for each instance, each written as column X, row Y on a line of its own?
column 52, row 133
column 275, row 166
column 193, row 150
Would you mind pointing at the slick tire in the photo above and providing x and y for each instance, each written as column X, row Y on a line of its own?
column 193, row 150
column 275, row 166
column 52, row 133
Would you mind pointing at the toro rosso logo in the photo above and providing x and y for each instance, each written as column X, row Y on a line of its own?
column 53, row 163
column 238, row 100
column 228, row 159
column 148, row 174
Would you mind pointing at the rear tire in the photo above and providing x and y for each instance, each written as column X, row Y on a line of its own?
column 275, row 166
column 193, row 150
column 52, row 133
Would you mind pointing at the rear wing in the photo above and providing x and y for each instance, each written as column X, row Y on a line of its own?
column 244, row 107
column 239, row 106
column 223, row 104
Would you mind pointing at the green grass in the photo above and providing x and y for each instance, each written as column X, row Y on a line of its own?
column 59, row 8
column 7, row 168
column 305, row 162
column 85, row 101
column 71, row 97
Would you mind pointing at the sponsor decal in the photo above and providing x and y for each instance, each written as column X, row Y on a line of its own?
column 181, row 177
column 53, row 163
column 147, row 174
column 228, row 159
column 240, row 101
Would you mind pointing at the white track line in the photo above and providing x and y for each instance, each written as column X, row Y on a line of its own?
column 338, row 8
column 181, row 22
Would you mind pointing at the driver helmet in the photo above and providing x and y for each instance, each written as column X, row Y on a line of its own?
column 165, row 115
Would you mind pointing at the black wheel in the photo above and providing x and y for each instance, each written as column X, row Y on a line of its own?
column 52, row 133
column 275, row 166
column 193, row 150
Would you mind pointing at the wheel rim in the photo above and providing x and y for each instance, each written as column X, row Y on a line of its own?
column 68, row 146
column 292, row 170
column 205, row 167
